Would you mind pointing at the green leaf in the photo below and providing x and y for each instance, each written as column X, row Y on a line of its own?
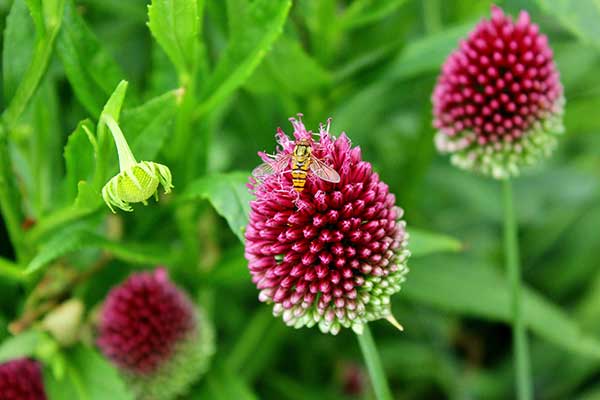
column 79, row 157
column 19, row 40
column 89, row 376
column 578, row 16
column 286, row 59
column 468, row 288
column 364, row 12
column 53, row 13
column 174, row 24
column 229, row 196
column 146, row 127
column 422, row 243
column 425, row 55
column 91, row 70
column 23, row 345
column 254, row 28
column 72, row 240
column 44, row 148
column 223, row 385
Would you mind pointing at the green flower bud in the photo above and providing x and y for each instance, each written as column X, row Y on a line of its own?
column 137, row 181
column 136, row 184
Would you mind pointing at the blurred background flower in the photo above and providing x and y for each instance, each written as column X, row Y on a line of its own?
column 155, row 335
column 21, row 379
column 498, row 103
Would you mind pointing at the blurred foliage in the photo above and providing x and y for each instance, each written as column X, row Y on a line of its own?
column 206, row 92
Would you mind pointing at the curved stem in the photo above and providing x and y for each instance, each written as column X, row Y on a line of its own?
column 126, row 158
column 376, row 372
column 511, row 248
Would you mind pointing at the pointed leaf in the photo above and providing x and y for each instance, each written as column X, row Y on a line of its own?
column 257, row 25
column 422, row 243
column 147, row 127
column 91, row 70
column 89, row 376
column 229, row 196
column 72, row 240
column 578, row 16
column 19, row 40
column 174, row 24
column 79, row 157
column 474, row 289
column 22, row 345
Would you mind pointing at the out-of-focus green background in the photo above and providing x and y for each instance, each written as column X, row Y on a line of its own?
column 370, row 65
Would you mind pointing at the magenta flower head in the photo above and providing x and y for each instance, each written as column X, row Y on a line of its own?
column 498, row 104
column 21, row 379
column 155, row 336
column 326, row 244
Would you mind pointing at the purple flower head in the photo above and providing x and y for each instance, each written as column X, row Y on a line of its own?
column 21, row 379
column 332, row 254
column 498, row 102
column 154, row 334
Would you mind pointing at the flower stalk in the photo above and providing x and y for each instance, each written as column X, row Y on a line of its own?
column 376, row 372
column 520, row 345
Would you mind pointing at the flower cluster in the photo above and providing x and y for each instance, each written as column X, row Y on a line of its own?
column 332, row 254
column 154, row 334
column 21, row 379
column 498, row 102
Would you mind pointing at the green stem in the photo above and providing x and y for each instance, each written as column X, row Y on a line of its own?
column 10, row 270
column 521, row 351
column 10, row 201
column 252, row 338
column 376, row 372
column 126, row 158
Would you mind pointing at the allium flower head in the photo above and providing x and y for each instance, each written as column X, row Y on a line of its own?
column 154, row 334
column 498, row 103
column 333, row 254
column 21, row 379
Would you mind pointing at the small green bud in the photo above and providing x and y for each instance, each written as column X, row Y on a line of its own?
column 137, row 181
column 136, row 184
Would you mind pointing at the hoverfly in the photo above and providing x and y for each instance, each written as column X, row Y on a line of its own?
column 302, row 160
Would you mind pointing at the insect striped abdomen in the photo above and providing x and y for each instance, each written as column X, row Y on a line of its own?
column 299, row 172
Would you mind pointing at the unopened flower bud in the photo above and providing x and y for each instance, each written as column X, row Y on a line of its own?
column 137, row 181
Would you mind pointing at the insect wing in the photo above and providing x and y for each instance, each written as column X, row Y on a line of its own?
column 280, row 164
column 277, row 166
column 323, row 171
column 264, row 169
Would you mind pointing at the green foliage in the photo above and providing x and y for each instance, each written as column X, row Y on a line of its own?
column 23, row 345
column 228, row 195
column 175, row 24
column 90, row 68
column 88, row 377
column 254, row 28
column 210, row 81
